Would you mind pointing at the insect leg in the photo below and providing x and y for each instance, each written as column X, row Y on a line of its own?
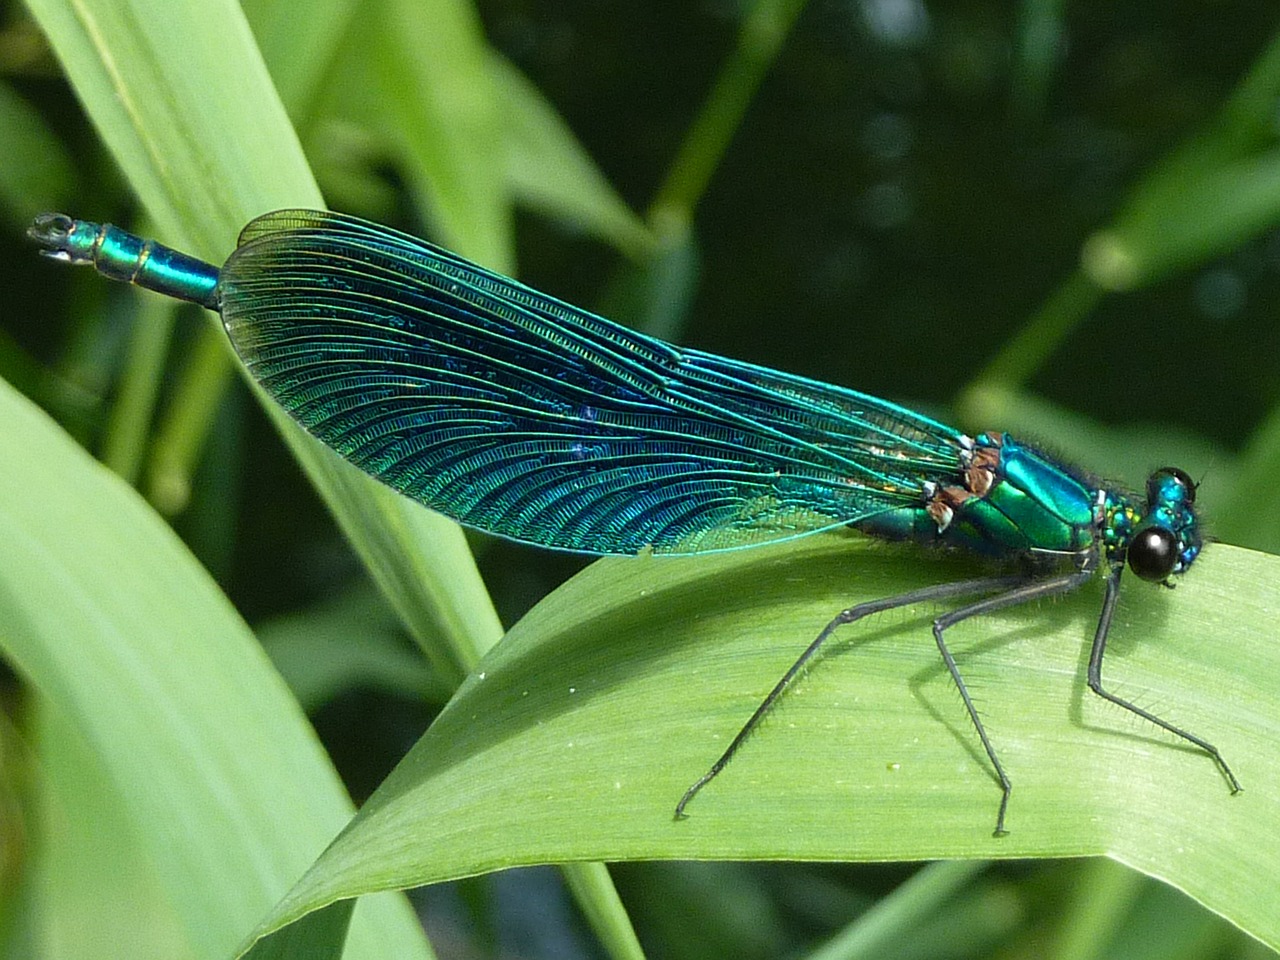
column 1023, row 592
column 844, row 617
column 1095, row 682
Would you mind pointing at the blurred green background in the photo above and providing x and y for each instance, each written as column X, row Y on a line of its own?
column 1054, row 218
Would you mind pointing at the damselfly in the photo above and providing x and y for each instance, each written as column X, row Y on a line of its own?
column 524, row 416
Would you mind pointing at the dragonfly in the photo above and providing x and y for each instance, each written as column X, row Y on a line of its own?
column 521, row 415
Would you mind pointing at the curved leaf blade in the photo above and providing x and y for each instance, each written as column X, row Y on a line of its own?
column 579, row 733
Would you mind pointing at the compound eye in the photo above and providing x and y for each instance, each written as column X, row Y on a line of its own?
column 1182, row 478
column 1153, row 553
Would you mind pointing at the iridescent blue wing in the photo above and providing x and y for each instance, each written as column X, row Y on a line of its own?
column 516, row 413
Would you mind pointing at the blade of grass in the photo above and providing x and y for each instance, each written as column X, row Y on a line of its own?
column 164, row 683
column 125, row 441
column 765, row 26
column 144, row 70
column 667, row 274
column 593, row 889
column 1103, row 897
column 184, row 426
column 298, row 40
column 892, row 918
column 1185, row 217
column 439, row 107
column 1239, row 513
column 98, row 886
column 1031, row 346
column 548, row 168
column 316, row 653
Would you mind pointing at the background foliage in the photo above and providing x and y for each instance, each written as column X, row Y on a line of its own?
column 1053, row 218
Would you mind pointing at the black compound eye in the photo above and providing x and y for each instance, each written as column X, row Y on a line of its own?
column 1153, row 553
column 1181, row 476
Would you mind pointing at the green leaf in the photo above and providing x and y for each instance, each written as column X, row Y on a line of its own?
column 439, row 106
column 318, row 936
column 1184, row 217
column 230, row 795
column 1205, row 197
column 98, row 886
column 548, row 168
column 298, row 40
column 202, row 164
column 351, row 640
column 129, row 423
column 907, row 908
column 143, row 69
column 578, row 734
